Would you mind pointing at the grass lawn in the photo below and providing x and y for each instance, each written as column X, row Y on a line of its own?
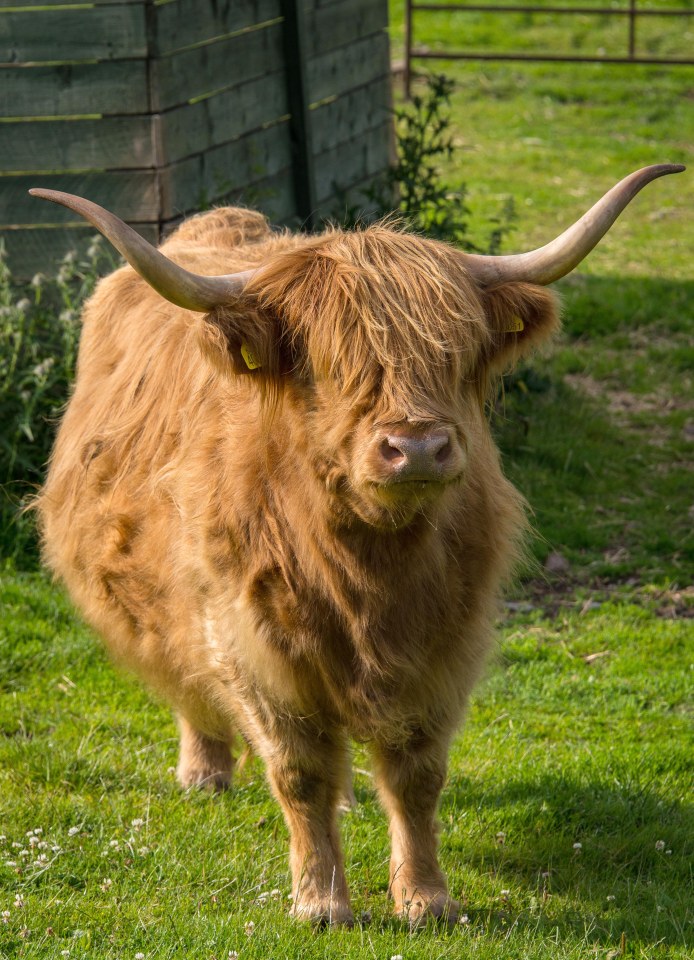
column 567, row 821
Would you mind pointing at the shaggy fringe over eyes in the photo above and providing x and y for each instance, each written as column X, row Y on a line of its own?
column 377, row 309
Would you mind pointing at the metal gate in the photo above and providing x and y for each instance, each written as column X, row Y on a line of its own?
column 631, row 13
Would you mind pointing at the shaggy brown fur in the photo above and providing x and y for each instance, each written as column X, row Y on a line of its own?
column 236, row 538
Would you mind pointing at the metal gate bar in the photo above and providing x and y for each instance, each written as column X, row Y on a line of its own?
column 631, row 12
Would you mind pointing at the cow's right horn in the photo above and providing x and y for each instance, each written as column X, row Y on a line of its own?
column 561, row 255
column 175, row 284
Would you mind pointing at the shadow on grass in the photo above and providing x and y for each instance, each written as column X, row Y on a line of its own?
column 604, row 457
column 631, row 872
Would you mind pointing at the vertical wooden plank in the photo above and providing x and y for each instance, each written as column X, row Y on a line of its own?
column 300, row 123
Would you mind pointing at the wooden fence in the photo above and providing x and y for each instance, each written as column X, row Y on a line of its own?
column 156, row 108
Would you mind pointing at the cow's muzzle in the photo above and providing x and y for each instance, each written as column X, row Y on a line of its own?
column 411, row 455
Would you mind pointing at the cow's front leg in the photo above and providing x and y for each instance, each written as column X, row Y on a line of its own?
column 409, row 781
column 306, row 772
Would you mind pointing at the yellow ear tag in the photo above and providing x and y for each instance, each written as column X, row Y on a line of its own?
column 514, row 325
column 248, row 357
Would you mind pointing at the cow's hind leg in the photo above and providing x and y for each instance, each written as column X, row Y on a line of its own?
column 203, row 761
column 306, row 771
column 409, row 781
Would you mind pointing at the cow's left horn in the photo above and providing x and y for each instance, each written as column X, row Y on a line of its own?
column 560, row 256
column 175, row 284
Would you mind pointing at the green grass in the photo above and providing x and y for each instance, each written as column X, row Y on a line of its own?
column 562, row 747
column 582, row 732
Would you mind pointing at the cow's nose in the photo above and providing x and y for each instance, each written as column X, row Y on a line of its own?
column 417, row 456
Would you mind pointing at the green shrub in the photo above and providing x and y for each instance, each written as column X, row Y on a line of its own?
column 39, row 332
column 413, row 188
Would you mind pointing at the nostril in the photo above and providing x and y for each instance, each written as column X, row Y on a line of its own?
column 444, row 452
column 391, row 453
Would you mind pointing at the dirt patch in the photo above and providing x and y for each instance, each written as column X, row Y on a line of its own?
column 623, row 404
column 554, row 597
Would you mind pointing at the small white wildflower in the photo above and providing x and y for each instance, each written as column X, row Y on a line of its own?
column 72, row 831
column 10, row 863
column 275, row 893
column 39, row 830
column 463, row 919
column 37, row 280
column 668, row 853
column 610, row 898
column 106, row 884
column 5, row 915
column 143, row 851
column 23, row 305
column 29, row 833
column 18, row 902
column 137, row 823
column 114, row 843
column 578, row 846
column 396, row 956
column 23, row 853
column 3, row 838
column 42, row 845
column 249, row 928
column 43, row 858
column 15, row 845
column 64, row 953
column 69, row 257
column 139, row 956
column 233, row 955
column 33, row 841
column 660, row 844
column 56, row 849
column 501, row 838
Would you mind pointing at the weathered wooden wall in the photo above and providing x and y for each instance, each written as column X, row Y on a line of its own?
column 156, row 108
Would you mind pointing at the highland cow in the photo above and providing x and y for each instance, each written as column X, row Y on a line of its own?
column 276, row 496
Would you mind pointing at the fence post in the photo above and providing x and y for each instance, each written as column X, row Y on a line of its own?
column 294, row 30
column 407, row 76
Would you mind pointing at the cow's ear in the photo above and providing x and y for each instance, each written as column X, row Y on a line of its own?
column 242, row 340
column 520, row 316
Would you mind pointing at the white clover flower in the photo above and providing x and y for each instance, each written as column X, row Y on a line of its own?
column 37, row 280
column 10, row 863
column 501, row 837
column 39, row 830
column 137, row 823
column 139, row 956
column 578, row 846
column 72, row 831
column 233, row 955
column 396, row 956
column 249, row 928
column 463, row 919
column 18, row 902
column 660, row 845
column 5, row 915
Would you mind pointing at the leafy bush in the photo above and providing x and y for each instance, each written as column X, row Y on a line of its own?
column 39, row 332
column 413, row 189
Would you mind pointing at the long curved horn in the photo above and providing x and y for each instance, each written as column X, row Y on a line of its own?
column 175, row 284
column 560, row 256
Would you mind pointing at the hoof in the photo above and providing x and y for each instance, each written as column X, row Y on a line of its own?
column 321, row 914
column 421, row 908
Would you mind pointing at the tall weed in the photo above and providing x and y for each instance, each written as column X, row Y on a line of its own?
column 39, row 335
